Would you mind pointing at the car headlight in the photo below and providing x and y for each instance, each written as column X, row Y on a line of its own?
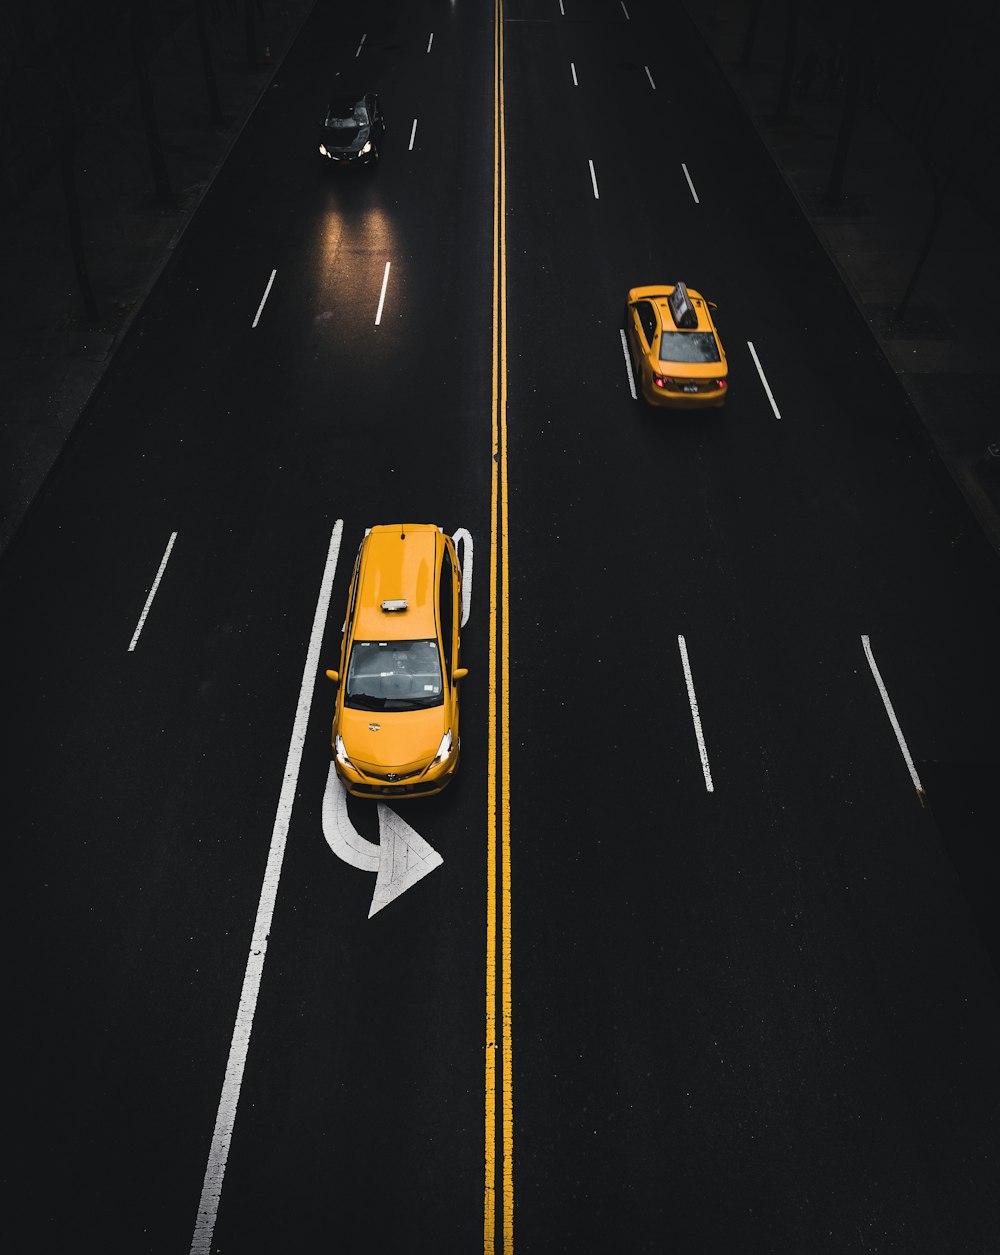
column 443, row 750
column 367, row 149
column 340, row 753
column 322, row 149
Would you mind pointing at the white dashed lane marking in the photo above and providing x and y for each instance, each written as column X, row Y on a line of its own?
column 690, row 184
column 260, row 307
column 695, row 716
column 883, row 692
column 767, row 387
column 152, row 592
column 381, row 299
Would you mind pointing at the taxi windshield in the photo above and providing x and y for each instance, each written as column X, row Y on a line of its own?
column 688, row 346
column 394, row 675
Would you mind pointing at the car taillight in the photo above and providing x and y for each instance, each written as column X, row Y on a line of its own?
column 662, row 381
column 720, row 383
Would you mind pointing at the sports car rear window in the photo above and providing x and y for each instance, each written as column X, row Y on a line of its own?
column 688, row 346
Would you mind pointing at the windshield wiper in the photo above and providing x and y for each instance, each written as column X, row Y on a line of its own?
column 365, row 701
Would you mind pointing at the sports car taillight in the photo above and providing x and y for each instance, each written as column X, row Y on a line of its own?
column 662, row 381
column 720, row 383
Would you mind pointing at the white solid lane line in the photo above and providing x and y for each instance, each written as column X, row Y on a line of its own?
column 260, row 307
column 381, row 299
column 573, row 68
column 696, row 718
column 362, row 44
column 430, row 41
column 650, row 77
column 593, row 179
column 413, row 133
column 690, row 184
column 152, row 592
column 215, row 1171
column 628, row 364
column 760, row 371
column 866, row 645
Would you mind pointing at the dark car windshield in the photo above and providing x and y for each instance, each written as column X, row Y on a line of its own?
column 688, row 346
column 346, row 113
column 394, row 675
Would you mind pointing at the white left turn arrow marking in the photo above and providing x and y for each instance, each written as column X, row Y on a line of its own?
column 401, row 858
column 341, row 835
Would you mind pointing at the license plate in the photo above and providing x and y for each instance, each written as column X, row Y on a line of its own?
column 690, row 387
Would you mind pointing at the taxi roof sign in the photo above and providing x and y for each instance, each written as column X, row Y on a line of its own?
column 681, row 309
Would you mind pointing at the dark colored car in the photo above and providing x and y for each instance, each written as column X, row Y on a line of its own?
column 351, row 133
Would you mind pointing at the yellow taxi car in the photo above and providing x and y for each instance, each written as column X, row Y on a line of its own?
column 395, row 728
column 674, row 343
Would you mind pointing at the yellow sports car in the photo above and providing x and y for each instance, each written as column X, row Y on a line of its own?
column 674, row 343
column 395, row 729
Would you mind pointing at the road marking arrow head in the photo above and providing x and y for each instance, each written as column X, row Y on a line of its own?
column 401, row 858
column 405, row 858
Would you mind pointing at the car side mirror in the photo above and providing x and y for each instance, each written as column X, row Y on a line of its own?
column 460, row 673
column 334, row 676
column 711, row 305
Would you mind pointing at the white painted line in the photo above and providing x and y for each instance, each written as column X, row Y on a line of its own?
column 561, row 9
column 627, row 18
column 362, row 44
column 689, row 681
column 430, row 41
column 413, row 133
column 463, row 538
column 760, row 371
column 690, row 184
column 263, row 299
column 381, row 299
column 650, row 77
column 152, row 592
column 593, row 179
column 628, row 364
column 573, row 68
column 866, row 643
column 215, row 1171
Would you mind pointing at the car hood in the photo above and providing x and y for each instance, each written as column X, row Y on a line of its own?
column 346, row 138
column 395, row 740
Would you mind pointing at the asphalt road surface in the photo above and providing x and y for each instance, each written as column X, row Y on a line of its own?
column 707, row 965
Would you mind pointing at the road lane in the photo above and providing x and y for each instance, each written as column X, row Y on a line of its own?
column 741, row 1000
column 246, row 440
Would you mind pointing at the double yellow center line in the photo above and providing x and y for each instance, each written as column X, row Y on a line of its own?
column 498, row 1223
